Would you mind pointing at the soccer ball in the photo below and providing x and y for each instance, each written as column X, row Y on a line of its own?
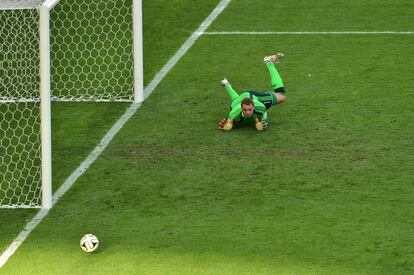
column 89, row 243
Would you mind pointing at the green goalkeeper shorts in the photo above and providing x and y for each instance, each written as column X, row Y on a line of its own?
column 267, row 98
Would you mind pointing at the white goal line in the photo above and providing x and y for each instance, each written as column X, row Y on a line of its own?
column 311, row 33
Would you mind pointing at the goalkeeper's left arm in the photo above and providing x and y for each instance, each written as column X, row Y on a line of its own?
column 261, row 123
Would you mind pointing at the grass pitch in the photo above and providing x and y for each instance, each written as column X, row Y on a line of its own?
column 326, row 190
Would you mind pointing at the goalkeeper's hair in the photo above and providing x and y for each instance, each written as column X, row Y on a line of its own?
column 247, row 101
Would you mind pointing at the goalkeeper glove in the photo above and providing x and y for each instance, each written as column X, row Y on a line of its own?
column 260, row 125
column 226, row 125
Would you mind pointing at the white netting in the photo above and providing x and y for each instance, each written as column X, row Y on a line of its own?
column 91, row 60
column 91, row 50
column 19, row 4
column 19, row 108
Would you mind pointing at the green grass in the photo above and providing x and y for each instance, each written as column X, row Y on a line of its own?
column 326, row 190
column 303, row 15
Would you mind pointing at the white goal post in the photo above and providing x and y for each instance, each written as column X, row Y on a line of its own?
column 45, row 116
column 44, row 60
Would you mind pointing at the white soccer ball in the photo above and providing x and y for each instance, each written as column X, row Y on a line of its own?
column 89, row 243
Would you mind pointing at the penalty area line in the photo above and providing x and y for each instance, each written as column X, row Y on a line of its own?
column 111, row 133
column 313, row 33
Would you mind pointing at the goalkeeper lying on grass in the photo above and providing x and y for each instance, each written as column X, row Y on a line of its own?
column 251, row 105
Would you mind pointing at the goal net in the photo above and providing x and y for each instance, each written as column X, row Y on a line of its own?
column 19, row 4
column 92, row 50
column 19, row 104
column 92, row 57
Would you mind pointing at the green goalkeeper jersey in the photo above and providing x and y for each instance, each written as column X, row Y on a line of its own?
column 261, row 100
column 236, row 113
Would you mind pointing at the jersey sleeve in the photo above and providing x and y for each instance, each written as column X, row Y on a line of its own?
column 265, row 118
column 261, row 113
column 235, row 115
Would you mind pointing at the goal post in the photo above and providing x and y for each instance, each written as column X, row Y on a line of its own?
column 138, row 51
column 45, row 112
column 58, row 50
column 25, row 169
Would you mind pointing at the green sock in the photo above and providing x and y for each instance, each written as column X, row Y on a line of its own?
column 232, row 93
column 275, row 78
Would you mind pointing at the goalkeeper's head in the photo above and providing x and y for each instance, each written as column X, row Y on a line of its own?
column 247, row 106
